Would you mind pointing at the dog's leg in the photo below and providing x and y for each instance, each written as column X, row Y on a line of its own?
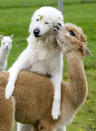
column 20, row 64
column 57, row 95
column 11, row 82
column 23, row 127
column 63, row 128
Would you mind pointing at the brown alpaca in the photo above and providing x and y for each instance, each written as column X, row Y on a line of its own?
column 33, row 104
column 72, row 41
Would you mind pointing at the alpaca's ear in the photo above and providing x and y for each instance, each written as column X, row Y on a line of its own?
column 87, row 52
column 1, row 37
column 12, row 36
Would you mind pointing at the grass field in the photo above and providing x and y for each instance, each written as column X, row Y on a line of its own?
column 16, row 21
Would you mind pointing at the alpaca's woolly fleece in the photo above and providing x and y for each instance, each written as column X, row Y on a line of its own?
column 7, row 108
column 31, row 103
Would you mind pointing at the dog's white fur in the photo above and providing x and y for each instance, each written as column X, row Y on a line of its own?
column 6, row 45
column 42, row 54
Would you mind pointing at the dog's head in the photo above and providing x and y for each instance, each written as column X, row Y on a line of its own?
column 43, row 20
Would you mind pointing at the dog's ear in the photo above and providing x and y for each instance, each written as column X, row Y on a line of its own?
column 1, row 37
column 87, row 52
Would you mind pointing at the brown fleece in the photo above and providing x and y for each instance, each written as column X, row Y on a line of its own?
column 34, row 95
column 7, row 110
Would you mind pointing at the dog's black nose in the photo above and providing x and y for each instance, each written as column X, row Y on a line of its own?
column 36, row 32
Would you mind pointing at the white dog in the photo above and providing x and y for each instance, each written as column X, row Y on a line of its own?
column 6, row 45
column 42, row 54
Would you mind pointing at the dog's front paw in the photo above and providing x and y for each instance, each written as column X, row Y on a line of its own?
column 56, row 109
column 9, row 90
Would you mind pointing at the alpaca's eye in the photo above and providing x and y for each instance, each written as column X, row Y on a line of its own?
column 46, row 23
column 72, row 33
column 37, row 19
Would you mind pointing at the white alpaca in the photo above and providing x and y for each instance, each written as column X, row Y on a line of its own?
column 42, row 54
column 6, row 45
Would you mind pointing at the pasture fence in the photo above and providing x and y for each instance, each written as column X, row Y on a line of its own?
column 36, row 3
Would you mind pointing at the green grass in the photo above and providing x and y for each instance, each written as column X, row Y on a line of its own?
column 21, row 3
column 16, row 21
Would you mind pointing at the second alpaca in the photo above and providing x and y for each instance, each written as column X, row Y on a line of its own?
column 6, row 45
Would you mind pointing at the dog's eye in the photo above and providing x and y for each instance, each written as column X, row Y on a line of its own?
column 72, row 33
column 37, row 19
column 46, row 23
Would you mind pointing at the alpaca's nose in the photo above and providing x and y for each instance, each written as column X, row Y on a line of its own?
column 36, row 32
column 7, row 47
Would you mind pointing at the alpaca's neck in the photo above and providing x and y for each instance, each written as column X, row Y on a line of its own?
column 3, row 55
column 77, row 77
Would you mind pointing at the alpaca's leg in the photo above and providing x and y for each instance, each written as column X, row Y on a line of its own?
column 24, row 127
column 63, row 128
column 7, row 110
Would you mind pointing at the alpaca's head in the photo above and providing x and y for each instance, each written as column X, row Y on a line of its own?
column 6, row 42
column 71, row 37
